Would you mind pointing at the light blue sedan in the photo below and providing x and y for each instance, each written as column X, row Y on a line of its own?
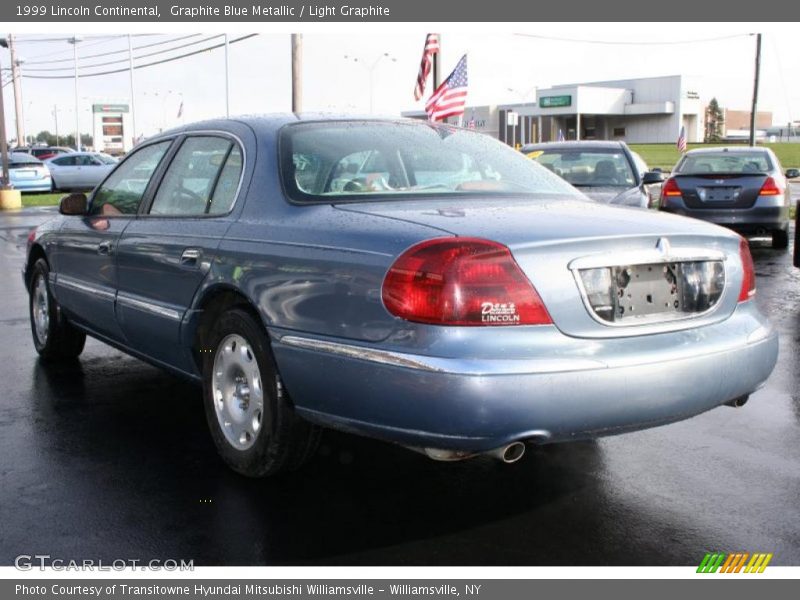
column 27, row 173
column 413, row 282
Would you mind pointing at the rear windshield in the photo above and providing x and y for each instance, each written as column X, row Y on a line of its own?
column 721, row 163
column 587, row 167
column 338, row 161
column 15, row 161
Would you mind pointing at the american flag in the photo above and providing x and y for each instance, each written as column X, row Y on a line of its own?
column 431, row 48
column 681, row 144
column 449, row 98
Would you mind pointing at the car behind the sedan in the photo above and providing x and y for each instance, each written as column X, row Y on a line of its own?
column 412, row 282
column 27, row 173
column 741, row 188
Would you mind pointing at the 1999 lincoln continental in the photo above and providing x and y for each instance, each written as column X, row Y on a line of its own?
column 412, row 282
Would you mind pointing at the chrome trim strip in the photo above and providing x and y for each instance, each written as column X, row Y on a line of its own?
column 646, row 257
column 74, row 284
column 446, row 365
column 384, row 357
column 149, row 307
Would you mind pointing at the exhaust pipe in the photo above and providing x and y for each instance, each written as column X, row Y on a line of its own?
column 509, row 454
column 738, row 402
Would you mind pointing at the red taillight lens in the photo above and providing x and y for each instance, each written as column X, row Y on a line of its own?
column 461, row 281
column 670, row 188
column 748, row 272
column 31, row 236
column 770, row 188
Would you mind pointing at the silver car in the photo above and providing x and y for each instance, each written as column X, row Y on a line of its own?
column 79, row 170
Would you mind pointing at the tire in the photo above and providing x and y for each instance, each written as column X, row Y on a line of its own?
column 249, row 413
column 53, row 337
column 780, row 238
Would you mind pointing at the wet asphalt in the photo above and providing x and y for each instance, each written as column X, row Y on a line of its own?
column 111, row 459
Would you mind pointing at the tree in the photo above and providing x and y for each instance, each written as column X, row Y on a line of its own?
column 714, row 121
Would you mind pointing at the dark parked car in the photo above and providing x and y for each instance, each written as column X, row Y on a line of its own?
column 45, row 152
column 742, row 188
column 418, row 283
column 608, row 172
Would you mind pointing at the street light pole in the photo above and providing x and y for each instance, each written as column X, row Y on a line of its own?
column 55, row 114
column 133, row 94
column 74, row 41
column 227, row 80
column 371, row 70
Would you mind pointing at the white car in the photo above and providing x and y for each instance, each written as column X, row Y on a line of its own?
column 79, row 170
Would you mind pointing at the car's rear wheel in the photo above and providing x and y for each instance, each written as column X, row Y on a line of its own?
column 780, row 238
column 249, row 413
column 53, row 337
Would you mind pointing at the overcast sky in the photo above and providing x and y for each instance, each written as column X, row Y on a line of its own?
column 260, row 70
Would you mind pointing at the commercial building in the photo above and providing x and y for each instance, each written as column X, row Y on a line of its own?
column 647, row 110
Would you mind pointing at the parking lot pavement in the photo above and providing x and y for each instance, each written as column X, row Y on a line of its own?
column 112, row 460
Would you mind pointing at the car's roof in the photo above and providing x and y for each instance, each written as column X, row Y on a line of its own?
column 575, row 144
column 261, row 123
column 727, row 149
column 22, row 157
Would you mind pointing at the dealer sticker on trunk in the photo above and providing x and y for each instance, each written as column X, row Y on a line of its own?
column 494, row 312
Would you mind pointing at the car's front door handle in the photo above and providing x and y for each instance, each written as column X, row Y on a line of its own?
column 191, row 257
column 104, row 248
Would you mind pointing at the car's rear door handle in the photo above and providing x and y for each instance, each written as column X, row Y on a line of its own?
column 190, row 257
column 104, row 248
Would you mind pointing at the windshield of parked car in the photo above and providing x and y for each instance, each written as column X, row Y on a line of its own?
column 587, row 168
column 106, row 158
column 362, row 160
column 724, row 163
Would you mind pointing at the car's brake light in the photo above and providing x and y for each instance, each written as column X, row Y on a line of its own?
column 461, row 281
column 770, row 188
column 748, row 272
column 31, row 236
column 671, row 188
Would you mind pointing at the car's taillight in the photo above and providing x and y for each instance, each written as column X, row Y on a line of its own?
column 748, row 272
column 461, row 281
column 770, row 188
column 670, row 188
column 31, row 236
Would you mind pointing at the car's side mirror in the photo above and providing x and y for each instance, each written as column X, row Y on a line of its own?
column 652, row 177
column 73, row 204
column 792, row 173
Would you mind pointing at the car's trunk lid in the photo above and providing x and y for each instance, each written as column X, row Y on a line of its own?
column 720, row 190
column 553, row 241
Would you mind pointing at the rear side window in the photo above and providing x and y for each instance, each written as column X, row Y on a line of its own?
column 201, row 179
column 122, row 192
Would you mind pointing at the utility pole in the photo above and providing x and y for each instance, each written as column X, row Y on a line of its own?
column 436, row 61
column 15, row 78
column 755, row 91
column 297, row 72
column 4, row 178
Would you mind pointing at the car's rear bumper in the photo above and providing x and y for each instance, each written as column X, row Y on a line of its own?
column 36, row 185
column 767, row 214
column 587, row 388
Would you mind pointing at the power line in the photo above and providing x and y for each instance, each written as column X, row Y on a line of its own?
column 627, row 43
column 124, row 60
column 103, row 40
column 158, row 62
column 125, row 50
